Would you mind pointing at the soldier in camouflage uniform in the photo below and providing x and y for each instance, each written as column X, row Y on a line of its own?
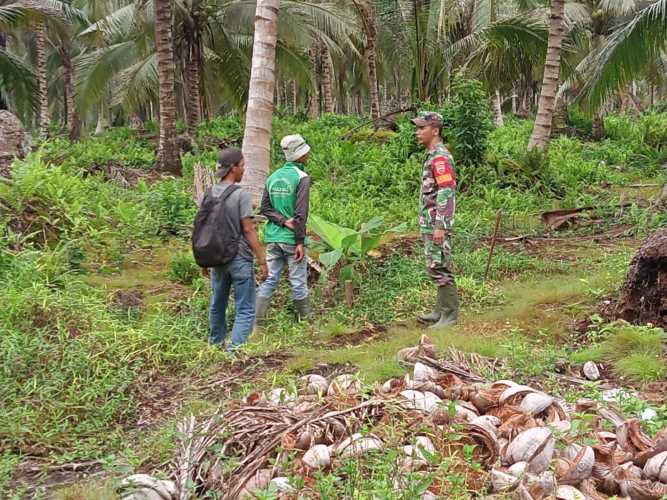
column 436, row 218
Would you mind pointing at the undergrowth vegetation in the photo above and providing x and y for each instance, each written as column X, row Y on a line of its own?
column 75, row 362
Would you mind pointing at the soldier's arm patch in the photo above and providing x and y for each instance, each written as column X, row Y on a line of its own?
column 442, row 172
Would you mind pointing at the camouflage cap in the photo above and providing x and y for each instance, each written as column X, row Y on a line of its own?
column 425, row 118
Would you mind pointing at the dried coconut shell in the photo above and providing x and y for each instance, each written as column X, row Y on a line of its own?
column 660, row 445
column 422, row 401
column 318, row 457
column 315, row 384
column 575, row 465
column 423, row 373
column 535, row 446
column 361, row 446
column 541, row 485
column 566, row 492
column 656, row 468
column 344, row 384
column 536, row 402
column 643, row 490
column 631, row 438
column 502, row 481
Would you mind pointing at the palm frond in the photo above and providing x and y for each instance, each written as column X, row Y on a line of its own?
column 628, row 52
column 11, row 16
column 117, row 24
column 53, row 10
column 618, row 7
column 94, row 71
column 18, row 81
column 137, row 84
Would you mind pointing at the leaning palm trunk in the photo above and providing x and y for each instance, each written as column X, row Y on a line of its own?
column 193, row 81
column 257, row 136
column 42, row 83
column 327, row 93
column 545, row 109
column 168, row 159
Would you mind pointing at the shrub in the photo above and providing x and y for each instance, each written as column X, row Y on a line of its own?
column 468, row 122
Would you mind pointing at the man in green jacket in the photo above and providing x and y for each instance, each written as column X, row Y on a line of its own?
column 285, row 204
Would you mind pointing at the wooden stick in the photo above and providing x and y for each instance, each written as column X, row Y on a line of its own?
column 499, row 214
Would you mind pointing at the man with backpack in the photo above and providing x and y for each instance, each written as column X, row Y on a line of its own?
column 224, row 240
column 285, row 204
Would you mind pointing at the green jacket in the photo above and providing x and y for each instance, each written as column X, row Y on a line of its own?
column 286, row 196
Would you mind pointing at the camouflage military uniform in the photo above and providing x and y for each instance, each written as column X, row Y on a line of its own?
column 437, row 207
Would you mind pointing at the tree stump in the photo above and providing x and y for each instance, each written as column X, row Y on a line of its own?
column 14, row 142
column 644, row 294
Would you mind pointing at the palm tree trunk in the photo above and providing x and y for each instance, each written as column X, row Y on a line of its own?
column 314, row 95
column 366, row 13
column 168, row 159
column 73, row 124
column 371, row 61
column 498, row 110
column 42, row 82
column 542, row 130
column 327, row 92
column 559, row 122
column 295, row 105
column 193, row 110
column 257, row 136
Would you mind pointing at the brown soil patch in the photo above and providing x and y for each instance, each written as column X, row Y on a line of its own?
column 38, row 477
column 126, row 300
column 330, row 370
column 358, row 337
column 565, row 249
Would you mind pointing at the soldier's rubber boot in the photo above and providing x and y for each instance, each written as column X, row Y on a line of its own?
column 261, row 306
column 434, row 316
column 450, row 310
column 303, row 311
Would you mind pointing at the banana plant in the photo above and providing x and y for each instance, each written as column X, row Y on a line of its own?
column 346, row 247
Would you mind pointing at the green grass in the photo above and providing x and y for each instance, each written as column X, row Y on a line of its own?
column 635, row 353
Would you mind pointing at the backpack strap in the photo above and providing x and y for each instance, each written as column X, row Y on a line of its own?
column 228, row 191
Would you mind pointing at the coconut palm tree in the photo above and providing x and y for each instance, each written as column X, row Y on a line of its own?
column 257, row 135
column 168, row 158
column 545, row 109
column 629, row 52
column 18, row 85
column 32, row 19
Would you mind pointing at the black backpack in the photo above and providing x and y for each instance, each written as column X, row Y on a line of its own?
column 213, row 240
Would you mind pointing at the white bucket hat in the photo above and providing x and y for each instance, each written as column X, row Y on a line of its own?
column 294, row 147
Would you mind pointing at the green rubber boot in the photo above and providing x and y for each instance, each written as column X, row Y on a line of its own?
column 303, row 311
column 261, row 306
column 434, row 316
column 450, row 309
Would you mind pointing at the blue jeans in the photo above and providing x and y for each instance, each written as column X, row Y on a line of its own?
column 277, row 256
column 241, row 274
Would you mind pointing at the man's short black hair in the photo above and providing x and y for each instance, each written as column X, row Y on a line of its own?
column 227, row 158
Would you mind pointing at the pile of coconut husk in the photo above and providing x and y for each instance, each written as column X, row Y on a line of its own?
column 524, row 439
